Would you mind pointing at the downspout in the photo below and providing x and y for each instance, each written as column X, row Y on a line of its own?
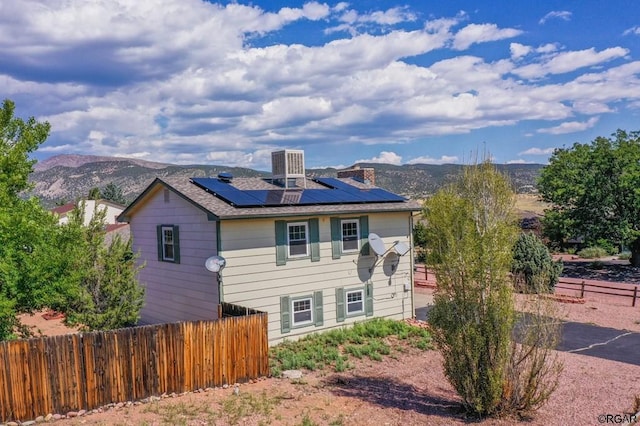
column 412, row 265
column 218, row 251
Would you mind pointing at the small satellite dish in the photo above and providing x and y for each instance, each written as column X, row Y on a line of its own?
column 377, row 244
column 401, row 248
column 215, row 263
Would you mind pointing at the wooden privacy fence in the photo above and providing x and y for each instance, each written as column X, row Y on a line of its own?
column 610, row 290
column 88, row 370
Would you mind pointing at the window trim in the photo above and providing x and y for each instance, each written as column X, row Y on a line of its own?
column 342, row 240
column 362, row 301
column 162, row 254
column 337, row 243
column 306, row 240
column 311, row 321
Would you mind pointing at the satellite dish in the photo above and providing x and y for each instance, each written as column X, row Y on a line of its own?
column 376, row 244
column 401, row 248
column 215, row 263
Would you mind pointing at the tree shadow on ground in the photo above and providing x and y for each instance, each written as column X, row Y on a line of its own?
column 603, row 271
column 389, row 393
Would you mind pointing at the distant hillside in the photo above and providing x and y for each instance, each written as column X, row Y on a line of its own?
column 67, row 177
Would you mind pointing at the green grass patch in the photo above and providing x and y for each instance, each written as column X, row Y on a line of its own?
column 592, row 253
column 332, row 349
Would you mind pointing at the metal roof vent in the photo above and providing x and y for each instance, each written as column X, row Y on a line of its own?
column 225, row 177
column 288, row 165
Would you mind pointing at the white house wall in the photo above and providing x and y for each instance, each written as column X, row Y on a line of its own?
column 176, row 292
column 252, row 279
column 112, row 212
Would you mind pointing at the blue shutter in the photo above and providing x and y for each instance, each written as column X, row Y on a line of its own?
column 364, row 235
column 159, row 235
column 336, row 238
column 314, row 239
column 281, row 242
column 317, row 308
column 176, row 244
column 340, row 305
column 285, row 314
column 368, row 299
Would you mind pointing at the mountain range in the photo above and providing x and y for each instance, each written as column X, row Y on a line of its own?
column 65, row 178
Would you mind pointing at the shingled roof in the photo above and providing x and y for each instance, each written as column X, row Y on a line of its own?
column 218, row 209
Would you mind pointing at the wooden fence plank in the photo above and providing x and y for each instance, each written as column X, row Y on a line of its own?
column 67, row 373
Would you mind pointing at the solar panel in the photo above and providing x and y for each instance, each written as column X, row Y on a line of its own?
column 337, row 192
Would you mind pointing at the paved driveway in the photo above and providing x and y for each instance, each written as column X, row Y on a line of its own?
column 585, row 339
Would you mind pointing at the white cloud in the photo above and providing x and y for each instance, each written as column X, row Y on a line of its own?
column 556, row 14
column 519, row 161
column 570, row 127
column 518, row 50
column 192, row 81
column 385, row 157
column 537, row 151
column 481, row 33
column 353, row 21
column 445, row 159
column 570, row 61
column 632, row 31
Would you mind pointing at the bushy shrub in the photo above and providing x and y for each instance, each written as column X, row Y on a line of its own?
column 594, row 252
column 608, row 246
column 533, row 267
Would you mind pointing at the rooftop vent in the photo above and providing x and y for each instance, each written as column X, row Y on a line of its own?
column 225, row 177
column 288, row 165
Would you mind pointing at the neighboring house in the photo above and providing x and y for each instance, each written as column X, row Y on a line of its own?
column 113, row 227
column 90, row 206
column 294, row 247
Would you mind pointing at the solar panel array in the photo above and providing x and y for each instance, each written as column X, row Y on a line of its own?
column 336, row 192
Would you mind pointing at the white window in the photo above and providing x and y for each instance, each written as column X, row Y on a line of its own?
column 355, row 302
column 302, row 312
column 168, row 243
column 350, row 235
column 298, row 239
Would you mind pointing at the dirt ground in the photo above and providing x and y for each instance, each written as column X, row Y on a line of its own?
column 407, row 388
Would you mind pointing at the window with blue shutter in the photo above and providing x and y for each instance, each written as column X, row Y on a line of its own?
column 168, row 237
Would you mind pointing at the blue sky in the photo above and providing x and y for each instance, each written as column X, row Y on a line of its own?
column 196, row 82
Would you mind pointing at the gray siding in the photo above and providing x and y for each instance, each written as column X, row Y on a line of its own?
column 176, row 292
column 252, row 278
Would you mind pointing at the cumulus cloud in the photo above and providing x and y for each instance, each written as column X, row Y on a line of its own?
column 570, row 61
column 481, row 33
column 353, row 21
column 570, row 127
column 445, row 159
column 537, row 151
column 519, row 161
column 556, row 14
column 385, row 157
column 188, row 81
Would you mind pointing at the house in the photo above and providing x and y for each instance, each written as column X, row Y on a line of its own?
column 314, row 254
column 113, row 210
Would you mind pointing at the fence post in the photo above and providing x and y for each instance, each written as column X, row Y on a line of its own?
column 582, row 290
column 635, row 294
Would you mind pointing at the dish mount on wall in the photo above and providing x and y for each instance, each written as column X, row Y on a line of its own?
column 378, row 247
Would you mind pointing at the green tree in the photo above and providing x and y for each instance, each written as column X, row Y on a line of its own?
column 593, row 189
column 109, row 294
column 113, row 192
column 18, row 139
column 29, row 275
column 470, row 234
column 533, row 267
column 94, row 193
